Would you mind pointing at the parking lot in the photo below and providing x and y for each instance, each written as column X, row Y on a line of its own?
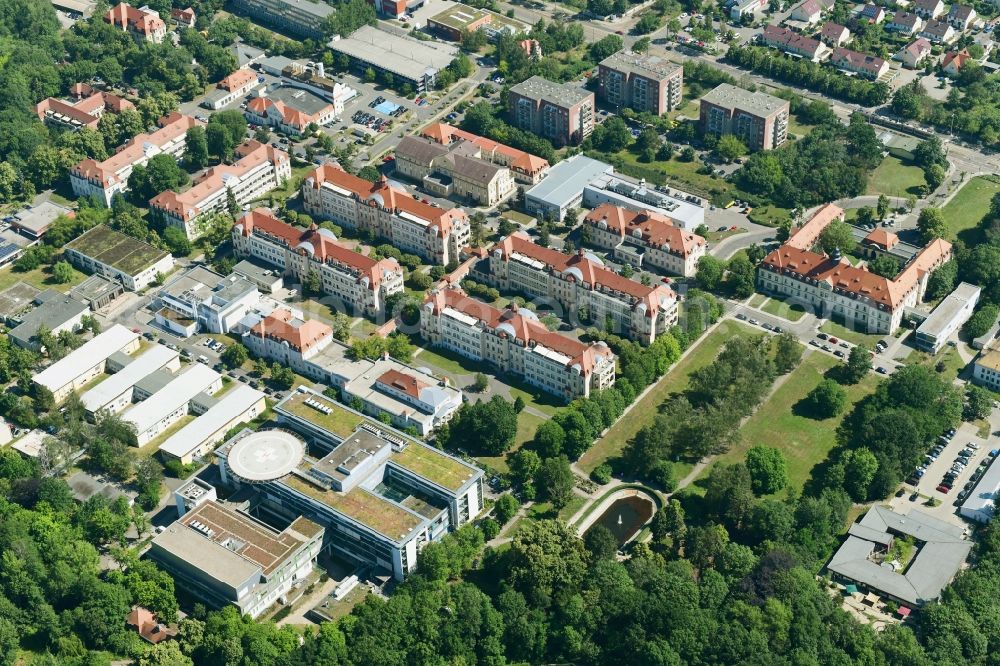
column 927, row 485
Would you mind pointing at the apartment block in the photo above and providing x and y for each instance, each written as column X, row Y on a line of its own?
column 580, row 282
column 641, row 82
column 645, row 239
column 259, row 169
column 527, row 168
column 83, row 108
column 560, row 112
column 142, row 24
column 513, row 341
column 408, row 398
column 361, row 283
column 302, row 18
column 758, row 119
column 437, row 234
column 834, row 288
column 380, row 495
column 286, row 117
column 103, row 180
column 226, row 557
column 454, row 170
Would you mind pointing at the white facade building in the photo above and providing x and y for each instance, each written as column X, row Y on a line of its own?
column 86, row 363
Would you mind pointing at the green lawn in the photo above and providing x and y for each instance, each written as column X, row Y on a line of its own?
column 681, row 174
column 527, row 424
column 837, row 330
column 38, row 278
column 675, row 381
column 804, row 441
column 769, row 215
column 970, row 205
column 949, row 356
column 779, row 308
column 757, row 300
column 444, row 361
column 895, row 178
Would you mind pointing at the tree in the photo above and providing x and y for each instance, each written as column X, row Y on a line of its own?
column 235, row 355
column 931, row 224
column 981, row 321
column 859, row 364
column 837, row 237
column 62, row 272
column 218, row 142
column 768, row 469
column 600, row 543
column 741, row 277
column 942, row 281
column 978, row 403
column 488, row 426
column 606, row 46
column 177, row 241
column 546, row 558
column 788, row 353
column 882, row 209
column 349, row 16
column 524, row 464
column 481, row 383
column 729, row 147
column 232, row 206
column 709, row 272
column 505, row 508
column 282, row 377
column 827, row 400
column 196, row 148
column 866, row 216
column 860, row 468
column 163, row 173
column 555, row 481
column 885, row 265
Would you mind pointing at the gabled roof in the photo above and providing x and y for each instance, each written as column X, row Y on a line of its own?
column 872, row 11
column 858, row 62
column 833, row 31
column 788, row 39
column 137, row 20
column 237, row 79
column 519, row 160
column 905, row 19
column 283, row 326
column 806, row 236
column 919, row 47
column 961, row 12
column 654, row 228
column 956, row 59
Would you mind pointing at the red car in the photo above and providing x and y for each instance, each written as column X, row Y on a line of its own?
column 619, row 32
column 944, row 489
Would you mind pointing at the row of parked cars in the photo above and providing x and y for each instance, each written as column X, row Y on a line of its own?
column 753, row 322
column 369, row 120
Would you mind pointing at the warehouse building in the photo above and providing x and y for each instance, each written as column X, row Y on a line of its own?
column 116, row 392
column 171, row 401
column 408, row 60
column 563, row 188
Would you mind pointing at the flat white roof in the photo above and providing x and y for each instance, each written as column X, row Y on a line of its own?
column 941, row 320
column 142, row 366
column 979, row 505
column 92, row 353
column 173, row 396
column 468, row 320
column 194, row 434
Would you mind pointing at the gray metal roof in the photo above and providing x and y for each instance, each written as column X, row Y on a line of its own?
column 566, row 180
column 941, row 552
column 404, row 56
column 980, row 504
column 61, row 373
column 51, row 314
column 560, row 94
column 732, row 97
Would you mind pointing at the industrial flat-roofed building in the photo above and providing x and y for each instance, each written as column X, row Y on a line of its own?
column 241, row 404
column 33, row 221
column 360, row 282
column 758, row 119
column 300, row 17
column 167, row 405
column 640, row 81
column 435, row 233
column 645, row 239
column 380, row 495
column 55, row 312
column 85, row 363
column 581, row 282
column 259, row 169
column 408, row 60
column 561, row 112
column 201, row 299
column 947, row 318
column 514, row 341
column 564, row 187
column 459, row 18
column 120, row 258
column 116, row 392
column 941, row 550
column 225, row 557
column 686, row 210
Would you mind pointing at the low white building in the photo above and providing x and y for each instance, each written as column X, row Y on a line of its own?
column 947, row 318
column 986, row 367
column 120, row 258
column 203, row 300
column 87, row 362
column 241, row 404
column 171, row 402
column 233, row 87
column 980, row 505
column 115, row 393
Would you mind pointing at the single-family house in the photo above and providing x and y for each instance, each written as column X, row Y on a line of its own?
column 928, row 9
column 962, row 17
column 939, row 32
column 808, row 11
column 834, row 34
column 904, row 23
column 868, row 66
column 954, row 61
column 914, row 53
column 872, row 13
column 789, row 41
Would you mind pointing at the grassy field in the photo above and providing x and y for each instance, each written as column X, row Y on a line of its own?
column 769, row 215
column 38, row 278
column 683, row 175
column 675, row 381
column 757, row 300
column 844, row 333
column 969, row 206
column 895, row 178
column 781, row 309
column 804, row 441
column 949, row 356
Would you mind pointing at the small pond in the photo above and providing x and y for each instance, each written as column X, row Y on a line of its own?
column 626, row 516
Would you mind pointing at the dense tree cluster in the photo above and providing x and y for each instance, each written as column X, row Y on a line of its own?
column 486, row 427
column 970, row 108
column 830, row 163
column 482, row 119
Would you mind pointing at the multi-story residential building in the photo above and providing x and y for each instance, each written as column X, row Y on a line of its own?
column 835, row 288
column 939, row 32
column 380, row 494
column 513, row 341
column 231, row 88
column 259, row 169
column 928, row 9
column 184, row 17
column 225, row 557
column 86, row 363
column 83, row 108
column 961, row 16
column 202, row 300
column 285, row 117
column 641, row 82
column 143, row 24
column 868, row 66
column 904, row 23
column 526, row 168
column 455, row 170
column 437, row 234
column 301, row 17
column 834, row 34
column 789, row 41
column 404, row 396
column 954, row 61
column 914, row 53
column 361, row 283
column 758, row 119
column 120, row 258
column 645, row 239
column 103, row 180
column 580, row 282
column 560, row 112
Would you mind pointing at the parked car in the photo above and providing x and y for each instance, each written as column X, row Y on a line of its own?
column 822, row 336
column 943, row 489
column 833, row 340
column 741, row 316
column 880, row 370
